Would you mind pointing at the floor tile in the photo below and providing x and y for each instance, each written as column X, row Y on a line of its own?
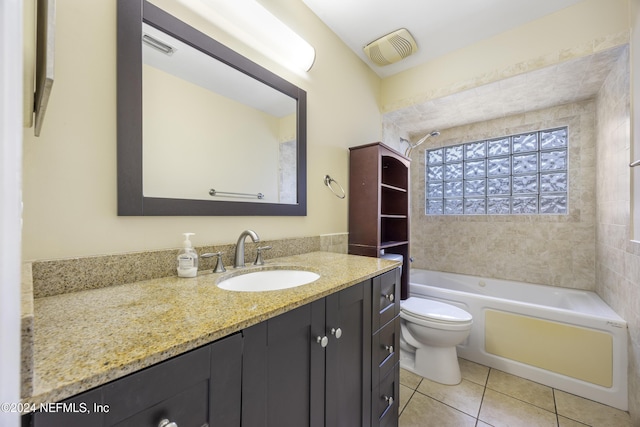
column 589, row 412
column 465, row 396
column 409, row 379
column 522, row 389
column 566, row 422
column 473, row 371
column 501, row 410
column 487, row 397
column 422, row 411
column 405, row 395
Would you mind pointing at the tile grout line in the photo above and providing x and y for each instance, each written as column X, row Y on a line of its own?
column 408, row 400
column 555, row 406
column 506, row 393
column 484, row 391
column 410, row 397
column 444, row 403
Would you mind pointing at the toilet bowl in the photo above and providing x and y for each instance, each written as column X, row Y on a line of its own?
column 430, row 332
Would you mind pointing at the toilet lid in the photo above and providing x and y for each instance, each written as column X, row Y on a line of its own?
column 434, row 310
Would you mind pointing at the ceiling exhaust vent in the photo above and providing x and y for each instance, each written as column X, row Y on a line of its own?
column 391, row 48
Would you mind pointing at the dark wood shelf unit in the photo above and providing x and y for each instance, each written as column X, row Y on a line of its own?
column 379, row 204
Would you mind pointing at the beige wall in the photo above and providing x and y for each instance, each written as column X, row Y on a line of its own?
column 549, row 249
column 618, row 258
column 185, row 148
column 69, row 183
column 577, row 30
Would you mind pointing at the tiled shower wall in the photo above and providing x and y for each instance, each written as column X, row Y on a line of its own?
column 555, row 250
column 618, row 259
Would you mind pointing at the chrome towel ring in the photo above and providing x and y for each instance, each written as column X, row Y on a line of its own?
column 328, row 180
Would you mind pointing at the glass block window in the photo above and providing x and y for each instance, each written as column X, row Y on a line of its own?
column 514, row 175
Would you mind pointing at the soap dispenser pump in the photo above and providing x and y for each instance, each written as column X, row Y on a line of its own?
column 187, row 258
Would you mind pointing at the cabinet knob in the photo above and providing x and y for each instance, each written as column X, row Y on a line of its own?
column 323, row 341
column 336, row 332
column 389, row 348
column 166, row 423
column 390, row 297
column 389, row 400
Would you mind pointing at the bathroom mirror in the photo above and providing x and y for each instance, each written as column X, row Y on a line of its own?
column 202, row 130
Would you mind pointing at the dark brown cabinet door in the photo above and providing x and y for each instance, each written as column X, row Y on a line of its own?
column 283, row 370
column 348, row 357
column 225, row 384
column 311, row 366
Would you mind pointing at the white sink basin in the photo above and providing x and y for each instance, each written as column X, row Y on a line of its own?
column 268, row 280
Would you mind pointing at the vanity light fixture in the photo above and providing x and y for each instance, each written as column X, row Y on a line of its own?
column 255, row 26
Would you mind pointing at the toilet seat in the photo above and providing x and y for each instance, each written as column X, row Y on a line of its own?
column 422, row 309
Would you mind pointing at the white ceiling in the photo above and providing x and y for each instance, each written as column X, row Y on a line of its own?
column 439, row 26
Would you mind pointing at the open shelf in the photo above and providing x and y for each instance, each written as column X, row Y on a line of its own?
column 392, row 244
column 394, row 172
column 392, row 187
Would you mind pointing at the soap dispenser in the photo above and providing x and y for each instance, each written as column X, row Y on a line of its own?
column 187, row 258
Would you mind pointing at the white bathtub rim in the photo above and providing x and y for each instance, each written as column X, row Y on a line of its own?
column 556, row 314
column 607, row 311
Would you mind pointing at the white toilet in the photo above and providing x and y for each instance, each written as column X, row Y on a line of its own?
column 430, row 332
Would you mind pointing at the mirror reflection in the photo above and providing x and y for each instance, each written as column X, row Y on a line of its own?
column 211, row 132
column 204, row 137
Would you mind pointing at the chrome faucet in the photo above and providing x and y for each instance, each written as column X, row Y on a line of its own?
column 239, row 262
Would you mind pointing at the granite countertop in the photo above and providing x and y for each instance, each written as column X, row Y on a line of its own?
column 84, row 339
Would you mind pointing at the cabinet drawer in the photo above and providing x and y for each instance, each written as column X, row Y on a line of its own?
column 188, row 408
column 386, row 298
column 386, row 349
column 149, row 387
column 80, row 411
column 386, row 399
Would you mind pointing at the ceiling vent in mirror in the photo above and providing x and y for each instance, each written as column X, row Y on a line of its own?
column 391, row 48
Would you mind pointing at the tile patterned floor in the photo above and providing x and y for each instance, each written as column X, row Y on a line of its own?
column 488, row 397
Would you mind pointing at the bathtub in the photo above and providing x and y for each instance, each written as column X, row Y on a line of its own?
column 564, row 338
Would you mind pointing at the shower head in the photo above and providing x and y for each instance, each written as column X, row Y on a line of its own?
column 420, row 141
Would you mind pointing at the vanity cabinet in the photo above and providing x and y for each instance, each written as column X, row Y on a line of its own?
column 379, row 209
column 332, row 362
column 311, row 366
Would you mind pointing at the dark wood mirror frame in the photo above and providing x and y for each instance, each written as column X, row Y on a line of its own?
column 131, row 199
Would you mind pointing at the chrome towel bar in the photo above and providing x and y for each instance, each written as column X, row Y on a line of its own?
column 214, row 192
column 634, row 164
